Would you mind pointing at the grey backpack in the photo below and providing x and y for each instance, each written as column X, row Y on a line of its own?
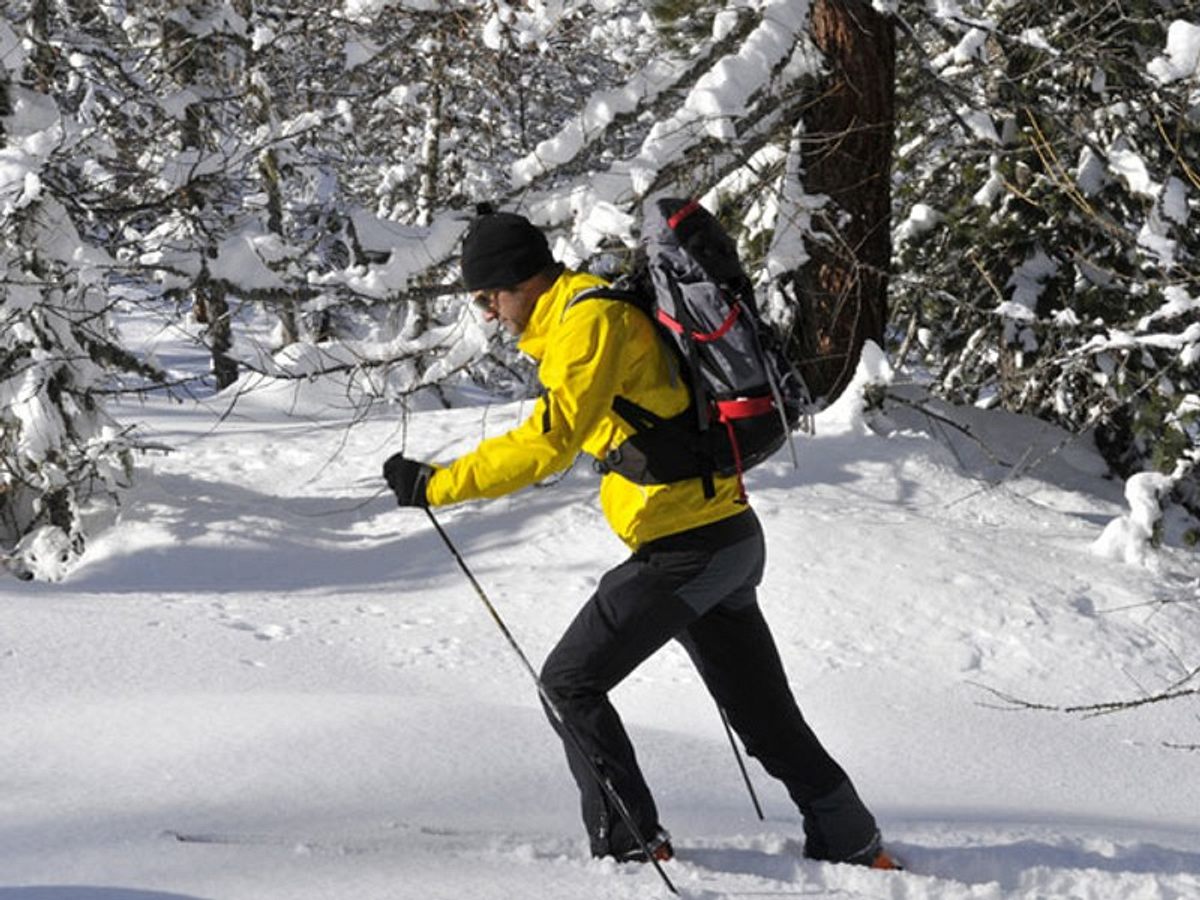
column 746, row 396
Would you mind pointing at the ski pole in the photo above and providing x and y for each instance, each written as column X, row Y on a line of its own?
column 605, row 782
column 737, row 754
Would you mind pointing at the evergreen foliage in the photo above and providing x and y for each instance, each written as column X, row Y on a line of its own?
column 62, row 458
column 315, row 164
column 1048, row 254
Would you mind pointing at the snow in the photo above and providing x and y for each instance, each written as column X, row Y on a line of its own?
column 1128, row 537
column 1175, row 201
column 413, row 250
column 12, row 54
column 722, row 92
column 725, row 89
column 1162, row 248
column 601, row 109
column 1036, row 38
column 970, row 47
column 1126, row 163
column 1178, row 303
column 265, row 652
column 993, row 187
column 530, row 28
column 359, row 53
column 724, row 23
column 777, row 52
column 240, row 262
column 921, row 219
column 1027, row 282
column 1181, row 58
column 1091, row 178
column 981, row 125
column 33, row 132
column 368, row 10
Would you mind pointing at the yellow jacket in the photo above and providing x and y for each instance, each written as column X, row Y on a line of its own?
column 594, row 351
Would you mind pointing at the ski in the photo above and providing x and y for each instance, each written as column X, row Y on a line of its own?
column 250, row 837
column 362, row 841
column 298, row 844
column 701, row 864
column 339, row 845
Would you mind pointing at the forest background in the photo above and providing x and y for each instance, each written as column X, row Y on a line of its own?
column 1002, row 194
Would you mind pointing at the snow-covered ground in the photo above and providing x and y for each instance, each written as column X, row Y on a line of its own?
column 267, row 655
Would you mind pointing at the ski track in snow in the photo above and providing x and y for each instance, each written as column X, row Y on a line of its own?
column 265, row 654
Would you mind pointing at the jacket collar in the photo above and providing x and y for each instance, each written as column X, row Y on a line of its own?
column 547, row 313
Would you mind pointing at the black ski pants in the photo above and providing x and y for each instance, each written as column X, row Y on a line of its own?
column 697, row 587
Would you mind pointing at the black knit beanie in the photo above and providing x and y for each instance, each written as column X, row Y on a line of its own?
column 501, row 250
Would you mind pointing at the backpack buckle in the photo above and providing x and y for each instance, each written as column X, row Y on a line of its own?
column 611, row 462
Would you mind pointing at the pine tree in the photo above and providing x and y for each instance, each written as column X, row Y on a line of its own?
column 1048, row 253
column 62, row 457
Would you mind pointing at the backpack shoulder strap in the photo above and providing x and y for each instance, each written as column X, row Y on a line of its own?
column 638, row 300
column 678, row 431
column 633, row 298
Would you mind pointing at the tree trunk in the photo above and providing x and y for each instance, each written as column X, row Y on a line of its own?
column 220, row 330
column 431, row 149
column 195, row 65
column 848, row 139
column 5, row 100
column 283, row 303
column 43, row 60
column 258, row 107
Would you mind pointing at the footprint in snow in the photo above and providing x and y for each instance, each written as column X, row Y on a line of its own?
column 262, row 632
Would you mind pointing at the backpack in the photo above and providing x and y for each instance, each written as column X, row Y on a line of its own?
column 746, row 396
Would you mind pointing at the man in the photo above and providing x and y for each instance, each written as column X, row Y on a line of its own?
column 695, row 565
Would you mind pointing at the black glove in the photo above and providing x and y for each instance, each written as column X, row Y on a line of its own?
column 407, row 479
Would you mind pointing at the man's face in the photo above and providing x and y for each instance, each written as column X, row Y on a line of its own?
column 511, row 306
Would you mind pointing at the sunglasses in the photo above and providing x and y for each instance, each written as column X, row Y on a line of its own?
column 487, row 301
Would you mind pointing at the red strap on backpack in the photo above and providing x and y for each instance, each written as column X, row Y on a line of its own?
column 682, row 213
column 744, row 407
column 729, row 411
column 701, row 336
